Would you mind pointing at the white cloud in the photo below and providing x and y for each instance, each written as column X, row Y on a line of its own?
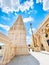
column 32, row 11
column 29, row 19
column 4, row 27
column 45, row 4
column 37, row 1
column 28, row 39
column 26, row 5
column 14, row 5
column 30, row 32
column 9, row 5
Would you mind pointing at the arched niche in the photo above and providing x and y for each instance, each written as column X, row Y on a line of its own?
column 5, row 45
column 1, row 50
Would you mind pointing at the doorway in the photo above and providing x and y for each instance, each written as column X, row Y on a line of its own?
column 42, row 47
column 1, row 51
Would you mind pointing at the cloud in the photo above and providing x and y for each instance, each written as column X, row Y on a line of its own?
column 33, row 29
column 4, row 27
column 45, row 4
column 29, row 19
column 37, row 1
column 26, row 5
column 28, row 39
column 32, row 11
column 14, row 5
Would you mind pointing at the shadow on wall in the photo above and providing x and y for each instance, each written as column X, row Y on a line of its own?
column 24, row 60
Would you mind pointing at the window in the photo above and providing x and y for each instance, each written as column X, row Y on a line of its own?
column 42, row 45
column 48, row 42
column 0, row 47
column 46, row 35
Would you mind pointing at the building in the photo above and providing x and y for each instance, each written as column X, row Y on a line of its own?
column 15, row 42
column 17, row 34
column 41, row 36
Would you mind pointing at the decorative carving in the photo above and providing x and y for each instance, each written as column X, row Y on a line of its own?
column 48, row 42
column 42, row 34
column 46, row 35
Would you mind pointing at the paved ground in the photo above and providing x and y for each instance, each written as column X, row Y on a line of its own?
column 24, row 60
column 0, row 58
column 36, row 58
column 42, row 57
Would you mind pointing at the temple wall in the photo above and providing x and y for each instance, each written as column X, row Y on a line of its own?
column 15, row 42
column 17, row 34
column 7, row 51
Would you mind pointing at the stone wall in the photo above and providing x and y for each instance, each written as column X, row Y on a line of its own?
column 41, row 36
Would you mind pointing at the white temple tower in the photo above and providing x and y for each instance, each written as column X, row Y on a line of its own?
column 17, row 34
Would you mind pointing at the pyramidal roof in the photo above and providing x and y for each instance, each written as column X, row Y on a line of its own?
column 18, row 24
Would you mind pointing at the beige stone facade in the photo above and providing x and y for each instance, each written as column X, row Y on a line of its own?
column 17, row 34
column 14, row 43
column 7, row 52
column 41, row 36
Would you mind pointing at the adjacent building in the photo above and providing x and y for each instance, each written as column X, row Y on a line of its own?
column 41, row 36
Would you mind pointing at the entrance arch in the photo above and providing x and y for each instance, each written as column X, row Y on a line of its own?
column 6, row 48
column 1, row 50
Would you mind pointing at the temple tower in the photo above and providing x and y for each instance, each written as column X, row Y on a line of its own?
column 17, row 34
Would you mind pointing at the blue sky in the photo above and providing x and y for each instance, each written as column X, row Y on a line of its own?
column 32, row 11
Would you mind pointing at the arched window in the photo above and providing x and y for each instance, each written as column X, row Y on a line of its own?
column 1, row 51
column 48, row 42
column 0, row 47
column 46, row 35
